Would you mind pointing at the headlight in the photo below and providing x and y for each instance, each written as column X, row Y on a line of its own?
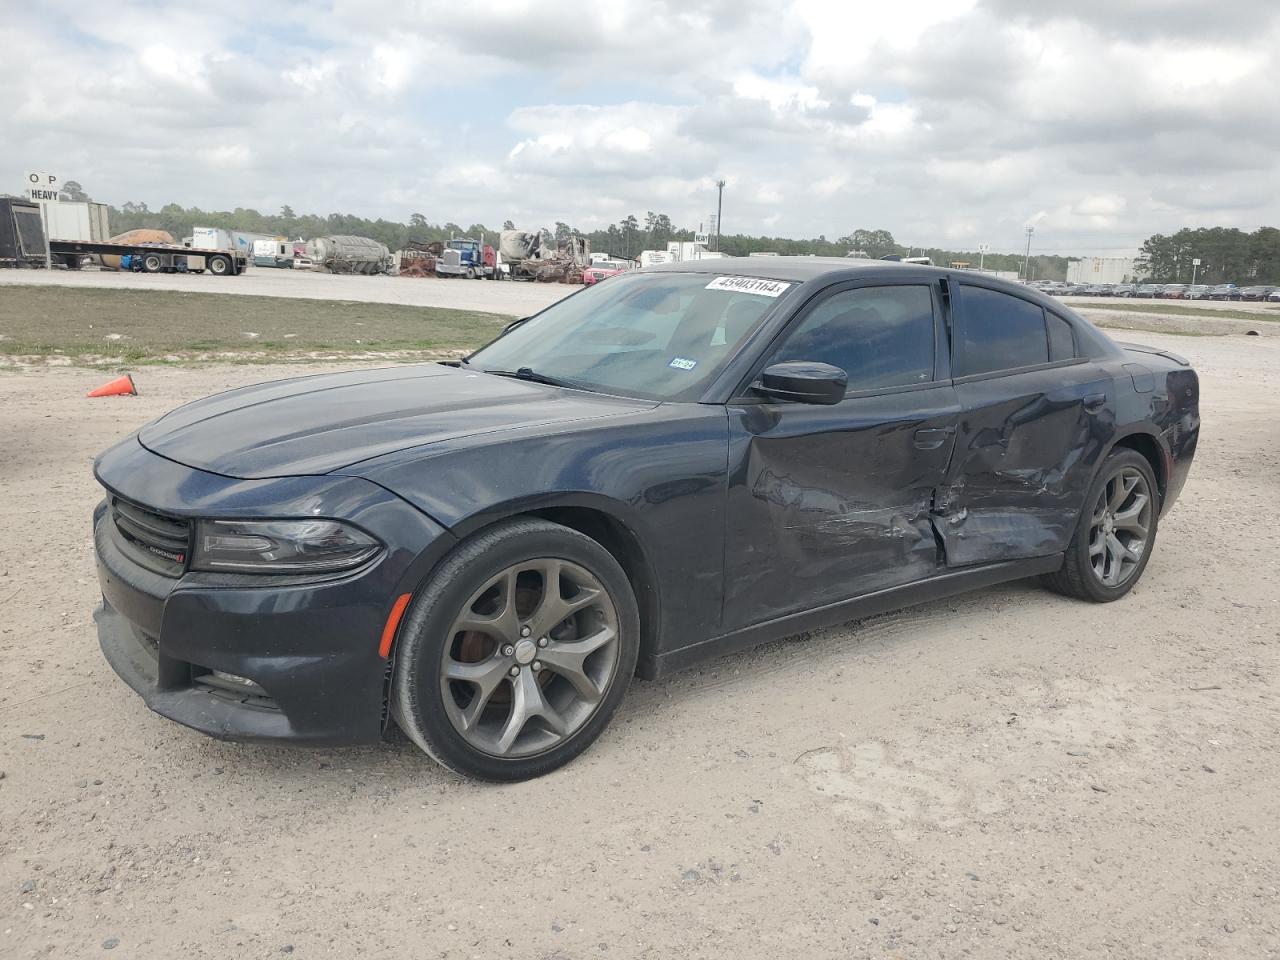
column 280, row 546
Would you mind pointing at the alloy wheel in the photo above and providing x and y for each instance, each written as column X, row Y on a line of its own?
column 1120, row 525
column 529, row 658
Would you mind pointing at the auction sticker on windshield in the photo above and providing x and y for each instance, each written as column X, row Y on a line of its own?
column 763, row 288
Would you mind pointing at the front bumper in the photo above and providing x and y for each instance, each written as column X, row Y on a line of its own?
column 309, row 646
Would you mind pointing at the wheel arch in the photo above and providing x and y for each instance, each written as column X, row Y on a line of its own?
column 627, row 548
column 1146, row 441
column 593, row 516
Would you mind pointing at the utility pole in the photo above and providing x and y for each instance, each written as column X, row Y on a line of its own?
column 982, row 254
column 719, row 204
column 1026, row 259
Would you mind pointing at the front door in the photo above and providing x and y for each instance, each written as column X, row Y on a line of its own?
column 1036, row 419
column 832, row 502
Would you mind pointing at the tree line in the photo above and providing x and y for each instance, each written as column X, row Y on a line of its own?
column 1226, row 255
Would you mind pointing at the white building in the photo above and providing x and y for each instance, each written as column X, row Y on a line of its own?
column 1101, row 270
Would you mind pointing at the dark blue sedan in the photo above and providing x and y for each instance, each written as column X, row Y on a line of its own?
column 678, row 463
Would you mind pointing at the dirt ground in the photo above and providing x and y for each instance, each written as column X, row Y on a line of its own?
column 1121, row 320
column 1005, row 774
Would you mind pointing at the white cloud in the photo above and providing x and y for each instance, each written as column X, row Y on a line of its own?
column 955, row 120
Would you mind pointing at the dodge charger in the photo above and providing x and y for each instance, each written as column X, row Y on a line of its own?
column 679, row 463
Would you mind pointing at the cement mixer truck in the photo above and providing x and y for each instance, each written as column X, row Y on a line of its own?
column 535, row 256
column 345, row 254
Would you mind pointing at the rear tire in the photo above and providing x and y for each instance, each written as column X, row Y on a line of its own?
column 486, row 612
column 152, row 263
column 219, row 266
column 1115, row 533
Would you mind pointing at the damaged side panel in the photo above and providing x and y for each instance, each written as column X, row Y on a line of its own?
column 826, row 503
column 1025, row 454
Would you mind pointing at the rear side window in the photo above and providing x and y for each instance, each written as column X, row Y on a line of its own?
column 880, row 336
column 1062, row 344
column 1000, row 332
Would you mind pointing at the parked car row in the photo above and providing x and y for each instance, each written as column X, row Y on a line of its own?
column 1160, row 291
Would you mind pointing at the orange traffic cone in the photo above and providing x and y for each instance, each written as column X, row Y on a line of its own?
column 119, row 387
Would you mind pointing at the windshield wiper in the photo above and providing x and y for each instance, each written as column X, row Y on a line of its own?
column 528, row 373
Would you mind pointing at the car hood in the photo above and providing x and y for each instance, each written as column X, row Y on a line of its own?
column 315, row 425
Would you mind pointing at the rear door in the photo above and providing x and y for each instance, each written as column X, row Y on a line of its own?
column 831, row 502
column 1036, row 418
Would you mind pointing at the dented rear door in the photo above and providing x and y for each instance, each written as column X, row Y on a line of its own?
column 1029, row 441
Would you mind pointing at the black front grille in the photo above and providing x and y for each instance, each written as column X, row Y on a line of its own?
column 155, row 541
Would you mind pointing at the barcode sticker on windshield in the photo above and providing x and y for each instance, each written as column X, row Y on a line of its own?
column 762, row 288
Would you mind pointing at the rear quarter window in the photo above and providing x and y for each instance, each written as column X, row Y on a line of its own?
column 1062, row 343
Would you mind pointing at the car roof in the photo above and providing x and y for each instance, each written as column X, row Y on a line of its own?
column 795, row 269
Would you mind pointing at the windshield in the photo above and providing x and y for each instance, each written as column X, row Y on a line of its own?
column 661, row 336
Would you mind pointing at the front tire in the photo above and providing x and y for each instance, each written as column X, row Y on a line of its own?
column 219, row 266
column 516, row 652
column 1115, row 534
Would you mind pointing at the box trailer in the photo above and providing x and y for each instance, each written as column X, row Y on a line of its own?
column 22, row 240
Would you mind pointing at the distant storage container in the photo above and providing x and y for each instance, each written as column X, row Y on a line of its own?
column 211, row 238
column 218, row 238
column 69, row 220
column 649, row 258
column 1101, row 270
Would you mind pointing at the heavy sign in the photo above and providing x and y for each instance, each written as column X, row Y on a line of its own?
column 42, row 186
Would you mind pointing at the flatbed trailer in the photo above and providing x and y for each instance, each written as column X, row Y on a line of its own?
column 153, row 257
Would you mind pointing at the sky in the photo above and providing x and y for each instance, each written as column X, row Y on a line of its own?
column 951, row 123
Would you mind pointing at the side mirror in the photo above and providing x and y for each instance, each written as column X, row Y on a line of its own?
column 803, row 381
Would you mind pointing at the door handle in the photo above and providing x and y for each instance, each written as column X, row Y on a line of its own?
column 1095, row 402
column 932, row 439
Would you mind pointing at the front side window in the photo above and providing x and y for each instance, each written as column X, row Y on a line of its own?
column 1000, row 332
column 880, row 336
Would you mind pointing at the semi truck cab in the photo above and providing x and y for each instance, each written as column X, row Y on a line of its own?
column 466, row 258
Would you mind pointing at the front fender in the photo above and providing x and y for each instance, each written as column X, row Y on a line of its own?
column 662, row 476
